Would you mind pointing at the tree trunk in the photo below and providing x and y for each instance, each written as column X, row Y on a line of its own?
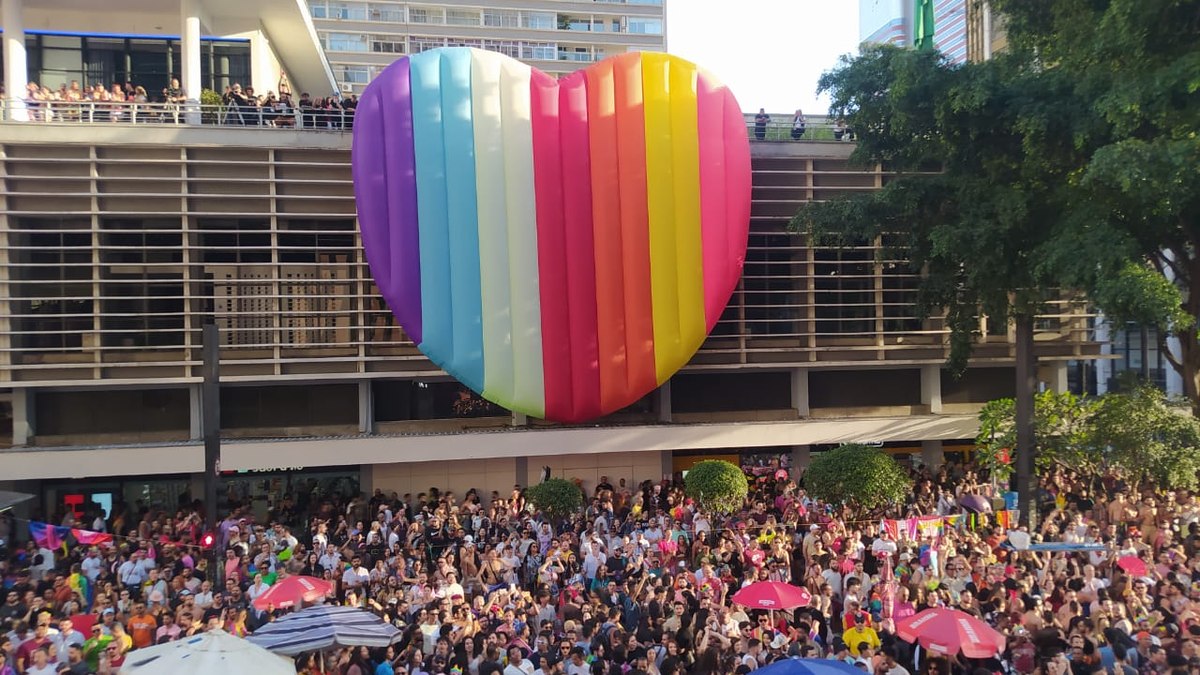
column 1026, row 388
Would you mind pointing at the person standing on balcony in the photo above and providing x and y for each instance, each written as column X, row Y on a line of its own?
column 798, row 124
column 760, row 124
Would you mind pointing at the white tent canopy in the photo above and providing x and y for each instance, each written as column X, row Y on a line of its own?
column 204, row 654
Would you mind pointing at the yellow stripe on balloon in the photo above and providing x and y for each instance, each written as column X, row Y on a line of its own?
column 491, row 194
column 690, row 259
column 529, row 390
column 673, row 205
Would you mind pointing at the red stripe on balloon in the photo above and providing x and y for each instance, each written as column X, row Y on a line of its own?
column 635, row 227
column 580, row 248
column 551, row 243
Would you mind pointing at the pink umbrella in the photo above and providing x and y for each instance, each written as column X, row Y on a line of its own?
column 949, row 631
column 1132, row 565
column 772, row 595
column 293, row 591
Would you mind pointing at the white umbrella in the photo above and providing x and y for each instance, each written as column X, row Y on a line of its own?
column 205, row 654
column 324, row 627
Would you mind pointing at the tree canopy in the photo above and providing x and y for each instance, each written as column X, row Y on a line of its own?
column 1067, row 161
column 716, row 486
column 555, row 497
column 1139, row 433
column 861, row 477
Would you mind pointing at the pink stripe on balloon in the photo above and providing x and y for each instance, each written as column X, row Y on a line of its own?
column 737, row 192
column 580, row 249
column 551, row 243
column 710, row 104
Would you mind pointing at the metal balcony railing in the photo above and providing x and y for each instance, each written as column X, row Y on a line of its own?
column 189, row 114
column 779, row 129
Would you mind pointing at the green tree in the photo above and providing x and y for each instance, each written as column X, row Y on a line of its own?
column 716, row 486
column 1063, row 430
column 1147, row 437
column 859, row 476
column 556, row 497
column 981, row 157
column 1130, row 234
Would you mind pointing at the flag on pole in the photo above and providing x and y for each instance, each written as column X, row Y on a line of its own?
column 923, row 25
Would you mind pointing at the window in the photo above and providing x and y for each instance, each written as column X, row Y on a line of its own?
column 52, row 298
column 318, row 9
column 387, row 44
column 498, row 18
column 387, row 13
column 346, row 42
column 141, row 301
column 355, row 74
column 348, row 11
column 506, row 47
column 316, row 270
column 645, row 26
column 845, row 291
column 543, row 51
column 577, row 54
column 458, row 42
column 644, row 2
column 577, row 23
column 418, row 44
column 769, row 286
column 538, row 20
column 1138, row 357
column 425, row 15
column 462, row 17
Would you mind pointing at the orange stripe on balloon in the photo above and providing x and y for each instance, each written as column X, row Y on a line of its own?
column 606, row 224
column 635, row 226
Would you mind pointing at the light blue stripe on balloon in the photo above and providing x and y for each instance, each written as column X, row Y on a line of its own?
column 463, row 218
column 450, row 299
column 425, row 75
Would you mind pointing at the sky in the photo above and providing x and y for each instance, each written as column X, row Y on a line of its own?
column 770, row 53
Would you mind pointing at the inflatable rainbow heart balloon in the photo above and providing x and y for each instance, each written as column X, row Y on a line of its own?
column 561, row 247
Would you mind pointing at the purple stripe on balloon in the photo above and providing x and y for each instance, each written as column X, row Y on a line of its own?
column 385, row 189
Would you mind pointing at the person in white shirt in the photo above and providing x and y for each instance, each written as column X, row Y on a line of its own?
column 67, row 636
column 330, row 560
column 517, row 663
column 204, row 599
column 91, row 565
column 356, row 576
column 257, row 588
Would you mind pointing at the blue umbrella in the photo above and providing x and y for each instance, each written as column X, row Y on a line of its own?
column 808, row 667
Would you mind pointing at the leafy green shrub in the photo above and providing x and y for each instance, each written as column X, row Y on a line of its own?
column 556, row 497
column 716, row 486
column 859, row 476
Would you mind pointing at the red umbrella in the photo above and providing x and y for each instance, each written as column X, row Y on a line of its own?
column 293, row 591
column 949, row 631
column 772, row 595
column 1133, row 565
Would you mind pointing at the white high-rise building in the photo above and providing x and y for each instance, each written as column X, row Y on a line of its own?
column 556, row 36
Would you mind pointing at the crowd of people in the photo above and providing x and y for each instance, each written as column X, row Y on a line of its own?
column 127, row 102
column 638, row 582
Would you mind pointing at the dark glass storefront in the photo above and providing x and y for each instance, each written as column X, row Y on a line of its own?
column 150, row 61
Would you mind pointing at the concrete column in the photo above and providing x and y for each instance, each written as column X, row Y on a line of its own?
column 521, row 471
column 931, row 454
column 519, row 419
column 16, row 70
column 1056, row 376
column 366, row 409
column 24, row 417
column 931, row 388
column 800, row 392
column 801, row 456
column 664, row 402
column 190, row 54
column 667, row 459
column 195, row 414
